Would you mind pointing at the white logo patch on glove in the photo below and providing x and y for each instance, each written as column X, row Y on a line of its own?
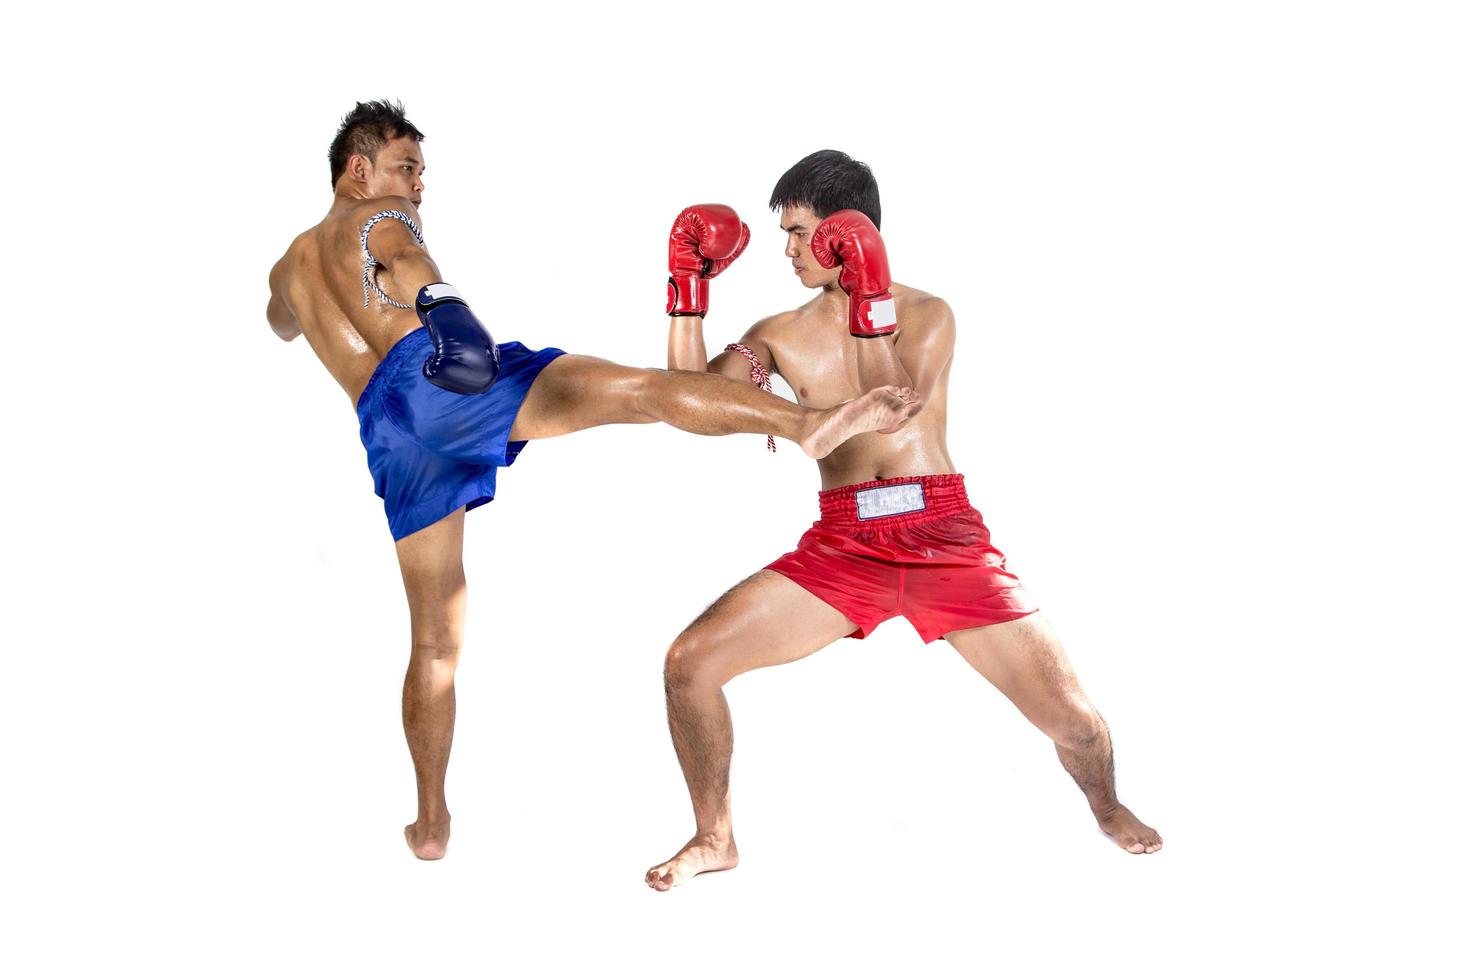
column 882, row 314
column 442, row 290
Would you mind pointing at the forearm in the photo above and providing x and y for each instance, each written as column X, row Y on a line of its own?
column 686, row 344
column 878, row 363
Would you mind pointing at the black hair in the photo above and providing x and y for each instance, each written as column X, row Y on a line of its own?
column 828, row 181
column 366, row 130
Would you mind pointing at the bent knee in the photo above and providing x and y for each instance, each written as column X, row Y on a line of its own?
column 639, row 388
column 1076, row 725
column 692, row 661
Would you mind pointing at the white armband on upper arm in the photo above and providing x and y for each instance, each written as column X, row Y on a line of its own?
column 370, row 264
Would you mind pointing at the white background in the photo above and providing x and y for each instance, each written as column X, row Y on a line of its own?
column 1209, row 268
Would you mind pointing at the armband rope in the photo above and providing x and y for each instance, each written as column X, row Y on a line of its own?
column 759, row 375
column 370, row 264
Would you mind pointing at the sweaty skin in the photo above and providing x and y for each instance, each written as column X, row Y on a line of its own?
column 317, row 291
column 768, row 619
column 316, row 287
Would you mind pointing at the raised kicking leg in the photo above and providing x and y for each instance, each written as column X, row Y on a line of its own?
column 1024, row 659
column 577, row 392
column 763, row 621
column 433, row 576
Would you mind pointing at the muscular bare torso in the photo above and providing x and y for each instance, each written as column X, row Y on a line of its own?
column 319, row 281
column 812, row 349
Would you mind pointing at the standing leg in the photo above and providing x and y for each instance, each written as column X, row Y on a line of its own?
column 1024, row 659
column 575, row 392
column 433, row 576
column 765, row 620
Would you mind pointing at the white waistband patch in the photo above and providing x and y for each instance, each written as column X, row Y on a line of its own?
column 882, row 313
column 901, row 498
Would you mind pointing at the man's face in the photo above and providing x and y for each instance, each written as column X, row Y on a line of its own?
column 799, row 221
column 399, row 169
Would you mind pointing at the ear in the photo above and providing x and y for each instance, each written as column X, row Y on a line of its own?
column 359, row 167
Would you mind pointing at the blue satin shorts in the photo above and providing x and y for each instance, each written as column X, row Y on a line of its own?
column 432, row 451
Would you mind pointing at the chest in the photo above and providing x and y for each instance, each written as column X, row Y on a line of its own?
column 821, row 371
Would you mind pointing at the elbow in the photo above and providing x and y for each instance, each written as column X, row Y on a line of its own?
column 287, row 330
column 282, row 322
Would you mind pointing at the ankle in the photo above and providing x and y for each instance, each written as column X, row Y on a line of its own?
column 720, row 837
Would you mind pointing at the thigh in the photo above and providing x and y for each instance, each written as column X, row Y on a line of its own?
column 765, row 620
column 432, row 563
column 1024, row 660
column 577, row 392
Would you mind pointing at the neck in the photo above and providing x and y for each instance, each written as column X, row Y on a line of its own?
column 347, row 193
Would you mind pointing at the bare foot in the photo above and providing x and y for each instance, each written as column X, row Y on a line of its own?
column 885, row 409
column 428, row 838
column 698, row 856
column 1127, row 831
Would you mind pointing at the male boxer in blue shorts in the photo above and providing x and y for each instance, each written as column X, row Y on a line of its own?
column 442, row 406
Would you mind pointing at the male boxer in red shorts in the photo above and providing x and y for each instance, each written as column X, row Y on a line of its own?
column 897, row 535
column 442, row 407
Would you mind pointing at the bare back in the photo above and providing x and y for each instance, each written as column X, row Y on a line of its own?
column 320, row 280
column 811, row 348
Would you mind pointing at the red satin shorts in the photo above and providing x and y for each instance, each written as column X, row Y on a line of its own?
column 911, row 547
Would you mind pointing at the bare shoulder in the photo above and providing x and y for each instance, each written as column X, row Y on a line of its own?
column 773, row 327
column 389, row 228
column 919, row 308
column 926, row 331
column 282, row 269
column 763, row 340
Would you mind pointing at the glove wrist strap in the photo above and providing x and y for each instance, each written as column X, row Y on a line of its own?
column 688, row 296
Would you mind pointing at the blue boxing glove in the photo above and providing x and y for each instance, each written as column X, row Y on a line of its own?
column 465, row 359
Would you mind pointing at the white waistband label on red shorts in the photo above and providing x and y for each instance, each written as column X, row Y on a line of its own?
column 900, row 498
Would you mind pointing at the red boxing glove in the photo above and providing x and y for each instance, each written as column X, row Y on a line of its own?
column 851, row 238
column 705, row 239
